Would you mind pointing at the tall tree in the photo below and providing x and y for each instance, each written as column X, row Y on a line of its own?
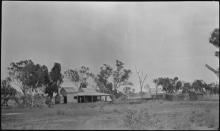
column 73, row 75
column 79, row 77
column 29, row 75
column 214, row 40
column 178, row 85
column 169, row 85
column 109, row 80
column 127, row 90
column 103, row 79
column 141, row 78
column 56, row 79
column 84, row 74
column 7, row 91
column 120, row 75
column 198, row 85
column 186, row 87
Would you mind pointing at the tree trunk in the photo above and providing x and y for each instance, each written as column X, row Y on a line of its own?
column 141, row 92
column 156, row 92
column 24, row 98
column 57, row 99
column 112, row 98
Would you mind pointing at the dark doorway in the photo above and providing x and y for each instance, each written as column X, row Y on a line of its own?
column 65, row 99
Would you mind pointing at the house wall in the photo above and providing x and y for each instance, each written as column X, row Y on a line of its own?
column 70, row 98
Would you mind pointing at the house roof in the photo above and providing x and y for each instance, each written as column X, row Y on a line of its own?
column 91, row 93
column 88, row 89
column 69, row 89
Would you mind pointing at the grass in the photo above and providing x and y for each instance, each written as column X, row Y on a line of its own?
column 181, row 115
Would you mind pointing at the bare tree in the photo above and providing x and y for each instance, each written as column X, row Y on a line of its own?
column 142, row 79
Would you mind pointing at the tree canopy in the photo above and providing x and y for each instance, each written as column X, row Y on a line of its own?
column 109, row 79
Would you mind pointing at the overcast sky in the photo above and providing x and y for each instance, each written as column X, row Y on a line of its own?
column 164, row 39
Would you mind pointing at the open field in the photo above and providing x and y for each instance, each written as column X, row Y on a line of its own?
column 140, row 115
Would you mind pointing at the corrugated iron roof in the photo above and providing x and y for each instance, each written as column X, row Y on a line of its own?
column 70, row 89
column 92, row 93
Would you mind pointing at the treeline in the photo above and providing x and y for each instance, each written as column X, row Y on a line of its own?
column 173, row 85
column 31, row 77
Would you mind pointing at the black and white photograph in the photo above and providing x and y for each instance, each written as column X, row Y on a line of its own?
column 108, row 65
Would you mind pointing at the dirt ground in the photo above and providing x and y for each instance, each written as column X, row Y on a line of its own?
column 161, row 115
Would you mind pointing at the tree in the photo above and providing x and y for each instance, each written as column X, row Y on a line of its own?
column 214, row 40
column 169, row 85
column 141, row 78
column 79, row 77
column 31, row 76
column 186, row 87
column 198, row 85
column 84, row 75
column 164, row 82
column 119, row 78
column 73, row 75
column 133, row 90
column 103, row 79
column 120, row 75
column 127, row 90
column 7, row 91
column 56, row 79
column 178, row 85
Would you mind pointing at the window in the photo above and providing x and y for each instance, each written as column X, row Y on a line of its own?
column 75, row 97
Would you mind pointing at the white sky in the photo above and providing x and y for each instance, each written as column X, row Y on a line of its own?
column 164, row 39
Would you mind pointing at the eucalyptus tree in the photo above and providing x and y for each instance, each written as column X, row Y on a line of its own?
column 214, row 40
column 29, row 75
column 56, row 79
column 109, row 79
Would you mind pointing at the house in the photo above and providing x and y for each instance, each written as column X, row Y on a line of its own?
column 89, row 95
column 72, row 94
